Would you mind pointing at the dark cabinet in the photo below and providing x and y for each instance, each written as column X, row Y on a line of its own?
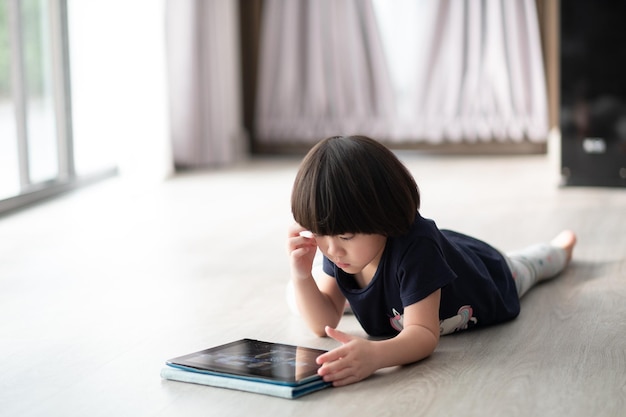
column 593, row 92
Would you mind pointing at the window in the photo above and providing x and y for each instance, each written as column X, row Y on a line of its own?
column 36, row 143
column 9, row 168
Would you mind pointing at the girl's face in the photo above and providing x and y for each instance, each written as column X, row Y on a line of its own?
column 354, row 253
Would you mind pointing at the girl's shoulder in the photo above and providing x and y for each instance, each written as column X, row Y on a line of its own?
column 421, row 228
column 423, row 232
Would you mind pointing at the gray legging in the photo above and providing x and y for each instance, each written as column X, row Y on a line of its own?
column 534, row 264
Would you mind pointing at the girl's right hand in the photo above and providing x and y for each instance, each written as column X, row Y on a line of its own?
column 301, row 246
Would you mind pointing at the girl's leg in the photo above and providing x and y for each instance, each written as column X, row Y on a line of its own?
column 540, row 262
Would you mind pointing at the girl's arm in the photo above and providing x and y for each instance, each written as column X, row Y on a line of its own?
column 358, row 358
column 320, row 303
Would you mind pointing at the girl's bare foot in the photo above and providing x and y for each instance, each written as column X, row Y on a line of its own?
column 565, row 240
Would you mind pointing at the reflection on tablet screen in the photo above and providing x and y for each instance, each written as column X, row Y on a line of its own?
column 256, row 359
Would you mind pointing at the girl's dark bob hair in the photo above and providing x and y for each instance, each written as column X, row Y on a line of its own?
column 353, row 184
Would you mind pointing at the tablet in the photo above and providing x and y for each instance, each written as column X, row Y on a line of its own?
column 255, row 360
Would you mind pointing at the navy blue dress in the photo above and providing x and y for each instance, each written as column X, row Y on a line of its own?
column 477, row 288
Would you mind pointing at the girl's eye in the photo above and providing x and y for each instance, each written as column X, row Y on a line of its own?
column 346, row 237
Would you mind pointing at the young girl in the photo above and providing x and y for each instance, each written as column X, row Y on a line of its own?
column 406, row 281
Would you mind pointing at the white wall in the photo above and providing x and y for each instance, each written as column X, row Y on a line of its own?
column 119, row 87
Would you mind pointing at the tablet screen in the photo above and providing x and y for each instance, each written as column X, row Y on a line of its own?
column 256, row 359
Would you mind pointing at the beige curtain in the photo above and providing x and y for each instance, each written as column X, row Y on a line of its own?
column 322, row 72
column 483, row 76
column 204, row 82
column 478, row 71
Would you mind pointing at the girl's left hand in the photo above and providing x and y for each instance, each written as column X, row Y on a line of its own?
column 351, row 362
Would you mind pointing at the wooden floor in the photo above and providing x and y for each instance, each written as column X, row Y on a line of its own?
column 100, row 287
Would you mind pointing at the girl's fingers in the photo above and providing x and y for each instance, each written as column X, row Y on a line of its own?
column 295, row 229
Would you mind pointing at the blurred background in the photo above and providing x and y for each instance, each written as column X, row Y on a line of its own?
column 147, row 88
